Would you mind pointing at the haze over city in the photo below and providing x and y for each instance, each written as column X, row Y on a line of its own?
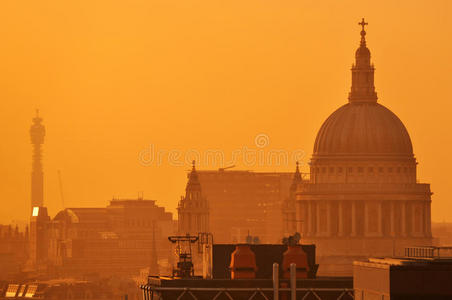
column 113, row 79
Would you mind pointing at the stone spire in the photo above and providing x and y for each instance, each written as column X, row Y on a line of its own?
column 193, row 186
column 288, row 207
column 297, row 175
column 363, row 89
column 295, row 181
column 37, row 133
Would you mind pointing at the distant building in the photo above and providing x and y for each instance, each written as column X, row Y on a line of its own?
column 69, row 289
column 363, row 198
column 121, row 239
column 39, row 239
column 240, row 203
column 13, row 251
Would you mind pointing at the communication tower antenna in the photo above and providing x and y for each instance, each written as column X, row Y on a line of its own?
column 60, row 182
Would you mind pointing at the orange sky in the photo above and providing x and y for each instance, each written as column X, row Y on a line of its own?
column 112, row 78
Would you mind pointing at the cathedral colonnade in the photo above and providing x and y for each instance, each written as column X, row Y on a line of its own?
column 364, row 218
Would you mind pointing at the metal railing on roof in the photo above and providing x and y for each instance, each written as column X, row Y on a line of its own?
column 151, row 292
column 430, row 252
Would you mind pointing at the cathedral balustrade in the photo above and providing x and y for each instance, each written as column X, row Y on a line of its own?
column 417, row 188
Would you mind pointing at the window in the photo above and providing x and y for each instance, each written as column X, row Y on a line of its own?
column 331, row 169
column 350, row 169
column 370, row 169
column 360, row 169
column 31, row 291
column 339, row 169
column 380, row 169
column 390, row 169
column 35, row 211
column 12, row 290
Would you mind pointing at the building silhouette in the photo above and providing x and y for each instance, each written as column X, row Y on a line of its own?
column 39, row 219
column 240, row 204
column 37, row 134
column 13, row 251
column 362, row 198
column 121, row 239
column 39, row 240
column 193, row 208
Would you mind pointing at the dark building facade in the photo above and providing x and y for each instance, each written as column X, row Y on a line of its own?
column 422, row 274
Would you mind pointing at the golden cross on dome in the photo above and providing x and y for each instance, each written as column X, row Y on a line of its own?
column 363, row 23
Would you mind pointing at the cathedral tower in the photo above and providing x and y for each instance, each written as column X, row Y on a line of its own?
column 193, row 209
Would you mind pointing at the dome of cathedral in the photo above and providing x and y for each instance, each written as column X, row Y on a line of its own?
column 363, row 128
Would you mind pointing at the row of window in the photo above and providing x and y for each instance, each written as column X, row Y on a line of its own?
column 139, row 223
column 362, row 169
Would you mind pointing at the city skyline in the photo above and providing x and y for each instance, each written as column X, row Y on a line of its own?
column 96, row 143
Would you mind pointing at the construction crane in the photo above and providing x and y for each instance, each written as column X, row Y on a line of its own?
column 222, row 169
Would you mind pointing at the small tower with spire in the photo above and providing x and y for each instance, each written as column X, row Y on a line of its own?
column 289, row 212
column 37, row 134
column 363, row 88
column 193, row 209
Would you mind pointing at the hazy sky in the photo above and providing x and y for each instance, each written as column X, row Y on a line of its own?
column 117, row 80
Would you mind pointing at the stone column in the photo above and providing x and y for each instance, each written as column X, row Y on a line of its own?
column 353, row 233
column 302, row 222
column 300, row 216
column 340, row 217
column 428, row 231
column 392, row 219
column 366, row 219
column 196, row 224
column 380, row 218
column 403, row 218
column 328, row 218
column 413, row 219
column 317, row 218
